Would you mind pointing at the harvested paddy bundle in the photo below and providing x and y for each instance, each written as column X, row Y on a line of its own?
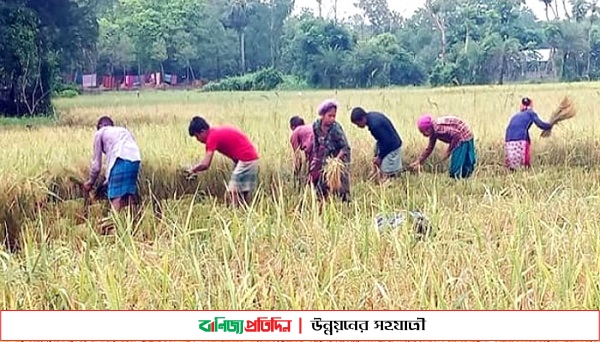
column 566, row 110
column 332, row 172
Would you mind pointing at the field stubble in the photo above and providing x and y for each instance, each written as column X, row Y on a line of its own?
column 527, row 240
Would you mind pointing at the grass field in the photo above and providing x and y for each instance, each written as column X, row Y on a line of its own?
column 529, row 240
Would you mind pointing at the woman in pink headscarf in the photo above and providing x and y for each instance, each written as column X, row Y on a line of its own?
column 457, row 134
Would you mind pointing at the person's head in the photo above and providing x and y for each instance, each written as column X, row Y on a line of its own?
column 199, row 129
column 526, row 104
column 425, row 123
column 296, row 121
column 104, row 121
column 327, row 111
column 358, row 116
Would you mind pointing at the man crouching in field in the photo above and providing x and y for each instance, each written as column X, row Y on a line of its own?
column 387, row 158
column 234, row 144
column 123, row 158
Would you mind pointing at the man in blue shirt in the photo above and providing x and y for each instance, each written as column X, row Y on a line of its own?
column 387, row 158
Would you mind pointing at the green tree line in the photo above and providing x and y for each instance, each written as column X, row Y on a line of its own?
column 446, row 42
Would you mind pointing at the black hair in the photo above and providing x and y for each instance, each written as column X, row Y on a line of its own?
column 526, row 101
column 357, row 114
column 104, row 121
column 197, row 125
column 296, row 121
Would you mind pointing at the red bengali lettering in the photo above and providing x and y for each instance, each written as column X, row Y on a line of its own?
column 264, row 324
column 279, row 327
column 251, row 326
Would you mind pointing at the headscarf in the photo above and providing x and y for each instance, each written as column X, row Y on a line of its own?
column 326, row 105
column 425, row 122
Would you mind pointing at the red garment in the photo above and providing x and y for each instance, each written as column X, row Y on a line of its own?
column 231, row 142
column 528, row 154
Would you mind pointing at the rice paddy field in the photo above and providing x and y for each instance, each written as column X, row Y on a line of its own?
column 499, row 240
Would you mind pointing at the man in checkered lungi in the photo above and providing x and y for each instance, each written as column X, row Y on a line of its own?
column 234, row 144
column 123, row 157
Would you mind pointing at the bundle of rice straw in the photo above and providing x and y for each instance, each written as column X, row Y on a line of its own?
column 565, row 110
column 332, row 171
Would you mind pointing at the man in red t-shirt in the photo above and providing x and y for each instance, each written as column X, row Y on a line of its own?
column 234, row 144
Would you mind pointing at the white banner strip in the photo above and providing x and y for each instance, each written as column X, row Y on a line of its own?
column 299, row 325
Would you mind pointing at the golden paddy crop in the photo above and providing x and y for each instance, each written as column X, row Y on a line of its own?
column 525, row 240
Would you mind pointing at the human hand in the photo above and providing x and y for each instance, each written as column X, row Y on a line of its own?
column 190, row 172
column 87, row 186
column 377, row 161
column 415, row 166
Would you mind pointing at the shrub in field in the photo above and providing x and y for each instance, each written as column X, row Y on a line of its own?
column 292, row 82
column 262, row 80
column 67, row 89
column 267, row 79
column 67, row 93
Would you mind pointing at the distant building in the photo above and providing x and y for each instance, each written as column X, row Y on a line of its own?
column 538, row 64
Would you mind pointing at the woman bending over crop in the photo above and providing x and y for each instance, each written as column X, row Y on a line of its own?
column 517, row 142
column 457, row 134
column 301, row 139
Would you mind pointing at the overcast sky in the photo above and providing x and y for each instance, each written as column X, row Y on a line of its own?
column 404, row 7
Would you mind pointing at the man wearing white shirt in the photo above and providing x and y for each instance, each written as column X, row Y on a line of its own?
column 123, row 159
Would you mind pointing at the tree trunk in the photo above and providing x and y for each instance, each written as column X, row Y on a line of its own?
column 566, row 10
column 192, row 71
column 112, row 71
column 443, row 30
column 589, row 54
column 242, row 38
column 124, row 77
column 467, row 40
column 502, row 68
column 218, row 62
column 564, row 64
column 139, row 70
column 320, row 3
column 272, row 37
column 441, row 26
column 335, row 11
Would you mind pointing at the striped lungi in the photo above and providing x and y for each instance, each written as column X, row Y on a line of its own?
column 123, row 178
column 391, row 164
column 244, row 177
